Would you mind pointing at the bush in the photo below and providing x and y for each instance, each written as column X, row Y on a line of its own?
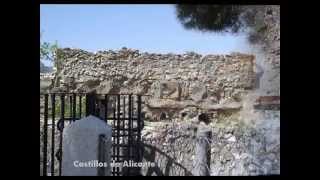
column 67, row 107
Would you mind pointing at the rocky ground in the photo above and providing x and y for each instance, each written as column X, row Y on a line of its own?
column 236, row 148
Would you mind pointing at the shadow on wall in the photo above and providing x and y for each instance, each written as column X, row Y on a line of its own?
column 259, row 75
column 164, row 163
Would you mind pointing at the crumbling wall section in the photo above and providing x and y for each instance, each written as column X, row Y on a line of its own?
column 167, row 81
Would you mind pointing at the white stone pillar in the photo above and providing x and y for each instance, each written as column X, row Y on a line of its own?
column 81, row 147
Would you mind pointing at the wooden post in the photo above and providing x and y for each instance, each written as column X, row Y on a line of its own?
column 201, row 163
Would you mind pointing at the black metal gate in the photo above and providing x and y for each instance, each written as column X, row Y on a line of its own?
column 121, row 111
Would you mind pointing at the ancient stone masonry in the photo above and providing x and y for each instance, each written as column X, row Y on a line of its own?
column 169, row 81
column 180, row 92
column 237, row 96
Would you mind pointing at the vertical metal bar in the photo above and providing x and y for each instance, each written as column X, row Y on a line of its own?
column 80, row 106
column 114, row 111
column 129, row 129
column 106, row 101
column 93, row 105
column 133, row 129
column 139, row 127
column 90, row 104
column 118, row 131
column 61, row 133
column 123, row 118
column 124, row 107
column 98, row 107
column 101, row 154
column 45, row 135
column 53, row 108
column 124, row 137
column 70, row 107
column 132, row 112
column 87, row 104
column 74, row 107
column 114, row 131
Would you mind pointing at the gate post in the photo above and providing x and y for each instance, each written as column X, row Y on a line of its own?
column 87, row 148
column 139, row 122
column 90, row 104
column 45, row 135
column 201, row 165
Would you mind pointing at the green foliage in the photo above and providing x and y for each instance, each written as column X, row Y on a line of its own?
column 217, row 18
column 48, row 50
column 67, row 108
column 226, row 18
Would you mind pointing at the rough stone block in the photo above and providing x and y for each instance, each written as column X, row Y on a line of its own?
column 169, row 90
column 199, row 92
column 268, row 103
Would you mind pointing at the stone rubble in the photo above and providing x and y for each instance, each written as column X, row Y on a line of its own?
column 236, row 148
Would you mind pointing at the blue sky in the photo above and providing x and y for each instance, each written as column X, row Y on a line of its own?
column 152, row 28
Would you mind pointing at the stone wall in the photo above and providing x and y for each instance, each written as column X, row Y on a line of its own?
column 167, row 81
column 179, row 91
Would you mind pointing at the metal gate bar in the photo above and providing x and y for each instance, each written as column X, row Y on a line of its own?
column 118, row 132
column 45, row 135
column 53, row 101
column 129, row 131
column 59, row 155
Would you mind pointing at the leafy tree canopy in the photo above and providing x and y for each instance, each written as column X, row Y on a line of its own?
column 47, row 50
column 226, row 18
column 217, row 18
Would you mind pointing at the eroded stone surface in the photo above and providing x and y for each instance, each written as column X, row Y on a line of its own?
column 170, row 80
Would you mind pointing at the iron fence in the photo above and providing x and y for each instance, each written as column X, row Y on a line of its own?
column 121, row 111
